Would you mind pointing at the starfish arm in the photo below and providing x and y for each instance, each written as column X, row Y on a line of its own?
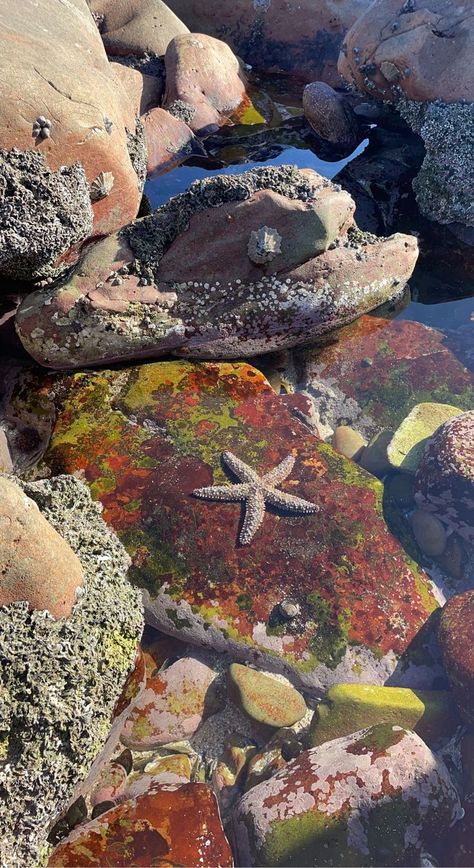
column 280, row 472
column 229, row 493
column 254, row 514
column 240, row 468
column 289, row 502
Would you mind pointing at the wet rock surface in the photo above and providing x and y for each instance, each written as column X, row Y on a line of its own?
column 172, row 282
column 146, row 438
column 330, row 115
column 342, row 803
column 53, row 679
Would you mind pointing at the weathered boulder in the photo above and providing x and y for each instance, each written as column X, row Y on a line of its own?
column 206, row 79
column 264, row 699
column 177, row 825
column 60, row 680
column 145, row 91
column 330, row 115
column 444, row 483
column 291, row 268
column 136, row 27
column 172, row 706
column 169, row 141
column 291, row 36
column 378, row 796
column 70, row 122
column 419, row 50
column 455, row 636
column 36, row 564
column 145, row 438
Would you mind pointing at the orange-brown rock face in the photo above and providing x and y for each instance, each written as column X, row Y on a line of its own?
column 172, row 825
column 136, row 26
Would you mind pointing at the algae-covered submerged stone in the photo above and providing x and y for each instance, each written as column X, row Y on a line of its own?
column 348, row 707
column 376, row 797
column 60, row 680
column 406, row 447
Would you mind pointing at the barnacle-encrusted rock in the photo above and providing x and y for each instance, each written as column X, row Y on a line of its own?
column 376, row 797
column 60, row 680
column 173, row 281
column 264, row 244
column 102, row 185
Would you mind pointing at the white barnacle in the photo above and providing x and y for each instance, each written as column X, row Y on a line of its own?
column 264, row 245
column 101, row 186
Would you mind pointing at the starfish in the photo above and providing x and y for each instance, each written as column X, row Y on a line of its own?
column 257, row 491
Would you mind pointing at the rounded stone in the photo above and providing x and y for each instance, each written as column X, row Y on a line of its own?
column 263, row 698
column 348, row 441
column 429, row 533
column 329, row 114
column 409, row 440
column 374, row 457
column 36, row 563
column 455, row 636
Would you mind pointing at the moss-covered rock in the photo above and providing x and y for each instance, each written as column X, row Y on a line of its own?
column 264, row 699
column 60, row 680
column 376, row 797
column 409, row 440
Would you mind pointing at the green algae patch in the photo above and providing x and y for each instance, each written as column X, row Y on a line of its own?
column 313, row 838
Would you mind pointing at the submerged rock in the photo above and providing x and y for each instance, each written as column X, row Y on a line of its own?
column 330, row 115
column 60, row 680
column 378, row 796
column 204, row 76
column 69, row 121
column 174, row 824
column 145, row 438
column 174, row 281
column 406, row 447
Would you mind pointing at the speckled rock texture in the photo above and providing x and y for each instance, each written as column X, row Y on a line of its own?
column 169, row 283
column 60, row 680
column 170, row 825
column 417, row 48
column 36, row 563
column 330, row 115
column 172, row 706
column 444, row 483
column 378, row 370
column 136, row 27
column 169, row 141
column 455, row 636
column 264, row 699
column 290, row 36
column 377, row 797
column 89, row 112
column 145, row 438
column 205, row 75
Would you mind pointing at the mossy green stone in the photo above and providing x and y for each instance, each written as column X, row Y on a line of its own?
column 350, row 707
column 264, row 699
column 407, row 444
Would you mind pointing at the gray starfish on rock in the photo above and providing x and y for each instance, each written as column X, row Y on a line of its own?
column 257, row 491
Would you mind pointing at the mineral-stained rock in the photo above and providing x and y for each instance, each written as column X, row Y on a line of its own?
column 176, row 825
column 60, row 680
column 263, row 698
column 379, row 369
column 205, row 75
column 330, row 115
column 89, row 113
column 169, row 141
column 444, row 483
column 349, row 707
column 413, row 434
column 455, row 636
column 378, row 796
column 145, row 438
column 174, row 281
column 419, row 48
column 290, row 36
column 172, row 706
column 144, row 90
column 36, row 563
column 136, row 27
